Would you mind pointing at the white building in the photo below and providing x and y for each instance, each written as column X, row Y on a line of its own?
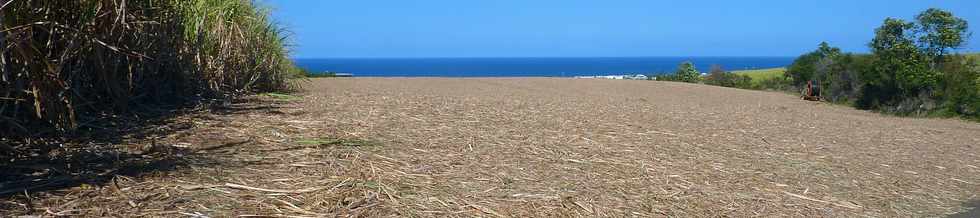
column 631, row 77
column 638, row 77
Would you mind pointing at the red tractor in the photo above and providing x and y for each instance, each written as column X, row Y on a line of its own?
column 811, row 92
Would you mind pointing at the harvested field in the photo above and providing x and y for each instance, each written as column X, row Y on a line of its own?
column 517, row 147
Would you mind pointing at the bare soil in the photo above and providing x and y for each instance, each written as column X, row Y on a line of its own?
column 518, row 147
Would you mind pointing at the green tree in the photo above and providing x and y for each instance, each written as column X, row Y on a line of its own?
column 939, row 31
column 687, row 73
column 898, row 62
column 826, row 50
column 808, row 66
column 899, row 70
column 802, row 68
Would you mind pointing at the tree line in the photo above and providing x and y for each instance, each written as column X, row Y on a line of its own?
column 911, row 70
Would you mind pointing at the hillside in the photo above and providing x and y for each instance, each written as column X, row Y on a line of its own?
column 762, row 73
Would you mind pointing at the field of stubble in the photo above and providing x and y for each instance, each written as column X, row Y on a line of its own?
column 518, row 147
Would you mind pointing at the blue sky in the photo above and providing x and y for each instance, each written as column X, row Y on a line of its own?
column 591, row 28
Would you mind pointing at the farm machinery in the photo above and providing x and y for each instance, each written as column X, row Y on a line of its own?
column 810, row 92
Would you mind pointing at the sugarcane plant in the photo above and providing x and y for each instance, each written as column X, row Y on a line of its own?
column 67, row 62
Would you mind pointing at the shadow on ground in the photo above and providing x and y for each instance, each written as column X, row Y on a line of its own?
column 974, row 211
column 101, row 151
column 88, row 156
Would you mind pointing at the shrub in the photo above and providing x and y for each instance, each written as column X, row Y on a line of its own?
column 960, row 86
column 686, row 72
column 839, row 76
column 667, row 77
column 719, row 77
column 779, row 83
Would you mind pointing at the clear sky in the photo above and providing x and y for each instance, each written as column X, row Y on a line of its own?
column 592, row 28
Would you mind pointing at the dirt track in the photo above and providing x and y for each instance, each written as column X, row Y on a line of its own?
column 554, row 147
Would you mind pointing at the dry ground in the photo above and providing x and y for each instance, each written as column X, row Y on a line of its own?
column 518, row 147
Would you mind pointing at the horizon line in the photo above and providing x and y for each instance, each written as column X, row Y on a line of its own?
column 477, row 57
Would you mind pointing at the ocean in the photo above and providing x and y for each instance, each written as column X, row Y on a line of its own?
column 529, row 67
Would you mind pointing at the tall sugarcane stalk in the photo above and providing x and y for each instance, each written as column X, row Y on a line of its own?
column 68, row 62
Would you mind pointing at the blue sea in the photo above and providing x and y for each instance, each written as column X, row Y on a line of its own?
column 529, row 67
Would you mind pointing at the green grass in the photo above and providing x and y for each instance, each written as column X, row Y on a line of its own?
column 762, row 74
column 975, row 56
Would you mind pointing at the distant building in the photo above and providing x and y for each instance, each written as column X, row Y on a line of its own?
column 630, row 77
column 638, row 77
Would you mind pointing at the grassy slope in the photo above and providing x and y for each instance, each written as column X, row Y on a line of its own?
column 976, row 57
column 759, row 75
